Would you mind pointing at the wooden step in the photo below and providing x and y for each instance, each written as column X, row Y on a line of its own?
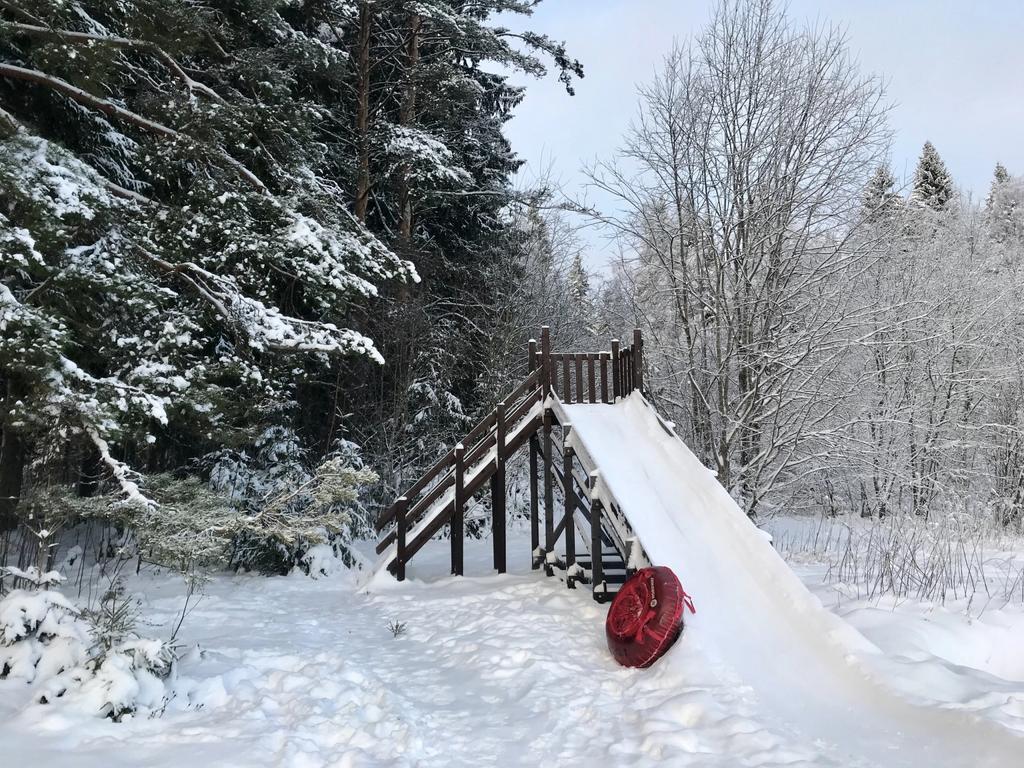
column 608, row 563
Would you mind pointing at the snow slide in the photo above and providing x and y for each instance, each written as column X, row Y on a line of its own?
column 757, row 627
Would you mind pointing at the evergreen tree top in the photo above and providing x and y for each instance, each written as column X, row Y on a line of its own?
column 1000, row 176
column 880, row 197
column 579, row 280
column 933, row 185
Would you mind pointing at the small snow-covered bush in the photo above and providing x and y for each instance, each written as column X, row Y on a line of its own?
column 287, row 510
column 94, row 661
column 41, row 633
column 126, row 679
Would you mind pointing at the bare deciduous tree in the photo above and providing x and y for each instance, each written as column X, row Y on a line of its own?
column 739, row 186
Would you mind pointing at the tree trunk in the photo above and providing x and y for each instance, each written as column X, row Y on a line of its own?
column 13, row 454
column 406, row 117
column 12, row 468
column 363, row 109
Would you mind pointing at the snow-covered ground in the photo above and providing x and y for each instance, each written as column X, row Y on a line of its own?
column 775, row 668
column 508, row 670
column 490, row 670
column 965, row 652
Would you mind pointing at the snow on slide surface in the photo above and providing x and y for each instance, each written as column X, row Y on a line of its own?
column 803, row 669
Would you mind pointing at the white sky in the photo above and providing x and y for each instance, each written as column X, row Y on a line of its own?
column 955, row 70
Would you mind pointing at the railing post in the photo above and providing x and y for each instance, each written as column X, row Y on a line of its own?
column 596, row 547
column 549, row 491
column 591, row 386
column 545, row 360
column 401, row 504
column 566, row 380
column 638, row 363
column 616, row 372
column 570, row 505
column 604, row 377
column 498, row 493
column 580, row 388
column 534, row 451
column 534, row 503
column 457, row 523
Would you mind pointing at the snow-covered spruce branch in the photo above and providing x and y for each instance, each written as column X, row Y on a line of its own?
column 125, row 43
column 264, row 327
column 121, row 472
column 15, row 127
column 111, row 109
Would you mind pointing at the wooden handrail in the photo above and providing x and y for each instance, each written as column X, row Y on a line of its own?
column 472, row 457
column 523, row 408
column 573, row 377
column 447, row 460
column 527, row 384
column 472, row 486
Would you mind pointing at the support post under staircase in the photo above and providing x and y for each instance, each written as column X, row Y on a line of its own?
column 549, row 491
column 534, row 455
column 570, row 505
column 457, row 525
column 596, row 546
column 401, row 504
column 498, row 493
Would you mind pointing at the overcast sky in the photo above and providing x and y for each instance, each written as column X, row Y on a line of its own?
column 955, row 70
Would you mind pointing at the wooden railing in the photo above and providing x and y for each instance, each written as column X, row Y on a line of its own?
column 440, row 496
column 463, row 470
column 593, row 377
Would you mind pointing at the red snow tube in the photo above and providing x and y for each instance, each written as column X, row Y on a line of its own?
column 646, row 617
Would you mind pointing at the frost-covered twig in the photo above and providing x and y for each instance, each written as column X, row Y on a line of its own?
column 121, row 472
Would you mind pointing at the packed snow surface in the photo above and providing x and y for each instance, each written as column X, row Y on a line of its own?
column 799, row 667
column 514, row 670
column 491, row 670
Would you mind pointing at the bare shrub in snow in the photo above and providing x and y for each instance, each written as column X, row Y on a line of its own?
column 949, row 558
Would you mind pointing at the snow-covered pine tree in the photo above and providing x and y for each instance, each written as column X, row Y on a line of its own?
column 881, row 200
column 1004, row 207
column 174, row 260
column 579, row 281
column 437, row 170
column 933, row 186
column 999, row 177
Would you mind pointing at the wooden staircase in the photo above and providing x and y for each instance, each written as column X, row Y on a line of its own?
column 532, row 417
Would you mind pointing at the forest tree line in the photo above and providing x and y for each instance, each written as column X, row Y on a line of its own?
column 264, row 261
column 828, row 339
column 256, row 258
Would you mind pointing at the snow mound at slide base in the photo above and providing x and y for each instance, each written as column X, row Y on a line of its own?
column 759, row 626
